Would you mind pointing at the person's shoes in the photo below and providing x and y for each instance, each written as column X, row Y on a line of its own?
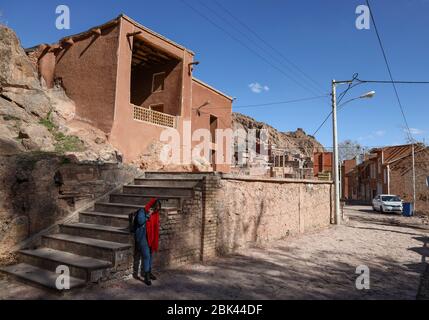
column 136, row 276
column 147, row 279
column 151, row 276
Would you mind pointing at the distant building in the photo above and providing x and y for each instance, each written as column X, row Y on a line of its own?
column 322, row 164
column 388, row 170
column 346, row 168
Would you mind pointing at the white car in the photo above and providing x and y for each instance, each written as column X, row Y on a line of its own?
column 387, row 203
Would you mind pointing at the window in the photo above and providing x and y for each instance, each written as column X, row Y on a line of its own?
column 157, row 107
column 158, row 82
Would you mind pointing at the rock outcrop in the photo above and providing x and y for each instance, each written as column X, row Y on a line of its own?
column 297, row 142
column 36, row 119
column 41, row 141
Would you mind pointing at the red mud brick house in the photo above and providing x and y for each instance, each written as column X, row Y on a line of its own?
column 388, row 170
column 132, row 83
column 346, row 168
column 322, row 165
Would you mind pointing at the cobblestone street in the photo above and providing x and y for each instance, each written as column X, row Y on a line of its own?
column 320, row 265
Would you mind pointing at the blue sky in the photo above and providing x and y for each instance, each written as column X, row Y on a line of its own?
column 318, row 36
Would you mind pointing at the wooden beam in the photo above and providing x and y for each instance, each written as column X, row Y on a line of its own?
column 96, row 31
column 132, row 34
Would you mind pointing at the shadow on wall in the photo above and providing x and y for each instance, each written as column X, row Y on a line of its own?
column 39, row 189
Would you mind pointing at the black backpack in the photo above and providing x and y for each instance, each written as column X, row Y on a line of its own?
column 134, row 222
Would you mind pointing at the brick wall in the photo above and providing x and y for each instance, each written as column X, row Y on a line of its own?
column 181, row 234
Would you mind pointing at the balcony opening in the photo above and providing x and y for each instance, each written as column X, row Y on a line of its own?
column 156, row 79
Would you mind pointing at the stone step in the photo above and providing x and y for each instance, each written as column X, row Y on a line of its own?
column 86, row 230
column 124, row 208
column 166, row 201
column 177, row 175
column 86, row 268
column 165, row 190
column 41, row 277
column 114, row 252
column 187, row 183
column 105, row 219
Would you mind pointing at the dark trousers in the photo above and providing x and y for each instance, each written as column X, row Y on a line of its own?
column 142, row 259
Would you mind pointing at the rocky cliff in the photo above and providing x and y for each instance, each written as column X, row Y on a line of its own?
column 297, row 142
column 35, row 119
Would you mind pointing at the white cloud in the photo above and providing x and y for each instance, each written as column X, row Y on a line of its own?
column 415, row 131
column 256, row 87
column 380, row 133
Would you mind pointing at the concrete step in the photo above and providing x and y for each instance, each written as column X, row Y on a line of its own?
column 166, row 201
column 123, row 208
column 41, row 277
column 114, row 252
column 165, row 190
column 187, row 183
column 177, row 175
column 86, row 230
column 104, row 219
column 86, row 268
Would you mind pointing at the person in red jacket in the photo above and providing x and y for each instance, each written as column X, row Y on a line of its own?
column 146, row 238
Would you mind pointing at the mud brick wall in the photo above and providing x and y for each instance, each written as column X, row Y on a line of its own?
column 256, row 211
column 181, row 234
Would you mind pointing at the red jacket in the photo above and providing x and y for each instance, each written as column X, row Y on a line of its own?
column 152, row 227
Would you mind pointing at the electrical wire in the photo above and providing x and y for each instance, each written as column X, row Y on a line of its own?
column 279, row 53
column 390, row 71
column 246, row 46
column 268, row 103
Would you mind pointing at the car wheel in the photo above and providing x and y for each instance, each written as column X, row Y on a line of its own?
column 373, row 208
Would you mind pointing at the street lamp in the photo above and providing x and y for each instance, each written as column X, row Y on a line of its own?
column 335, row 140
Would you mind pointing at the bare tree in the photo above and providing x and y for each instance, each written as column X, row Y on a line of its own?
column 349, row 149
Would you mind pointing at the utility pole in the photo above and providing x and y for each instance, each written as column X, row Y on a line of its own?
column 414, row 176
column 335, row 161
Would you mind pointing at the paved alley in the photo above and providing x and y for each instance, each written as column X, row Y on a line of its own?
column 320, row 265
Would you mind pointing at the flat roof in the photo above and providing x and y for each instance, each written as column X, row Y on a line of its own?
column 111, row 23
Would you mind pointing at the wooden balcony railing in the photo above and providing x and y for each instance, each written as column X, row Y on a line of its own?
column 154, row 117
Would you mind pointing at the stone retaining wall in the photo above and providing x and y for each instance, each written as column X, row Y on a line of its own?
column 38, row 190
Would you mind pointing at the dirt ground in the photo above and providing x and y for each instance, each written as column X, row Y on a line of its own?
column 320, row 265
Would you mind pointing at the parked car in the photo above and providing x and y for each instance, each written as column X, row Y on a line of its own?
column 387, row 203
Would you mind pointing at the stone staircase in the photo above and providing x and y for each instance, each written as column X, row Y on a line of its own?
column 99, row 246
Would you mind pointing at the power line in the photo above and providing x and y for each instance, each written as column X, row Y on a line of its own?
column 245, row 45
column 279, row 53
column 389, row 70
column 268, row 103
column 393, row 82
column 282, row 102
